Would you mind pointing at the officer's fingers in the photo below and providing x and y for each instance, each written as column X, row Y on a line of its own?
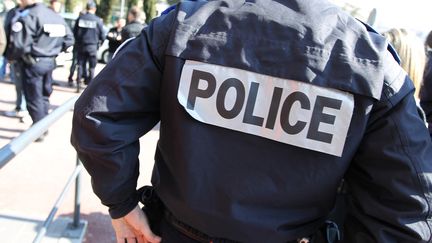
column 122, row 230
column 149, row 236
column 139, row 222
column 130, row 240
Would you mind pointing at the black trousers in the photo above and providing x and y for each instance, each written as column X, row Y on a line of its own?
column 84, row 58
column 37, row 84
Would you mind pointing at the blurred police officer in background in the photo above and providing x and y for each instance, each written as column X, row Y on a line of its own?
column 264, row 106
column 135, row 23
column 37, row 36
column 89, row 34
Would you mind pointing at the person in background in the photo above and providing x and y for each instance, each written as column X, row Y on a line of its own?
column 2, row 38
column 74, row 63
column 114, row 37
column 39, row 35
column 135, row 23
column 264, row 106
column 15, row 72
column 55, row 5
column 411, row 52
column 426, row 88
column 2, row 49
column 89, row 33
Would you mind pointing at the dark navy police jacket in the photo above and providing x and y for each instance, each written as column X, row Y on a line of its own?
column 264, row 106
column 88, row 32
column 39, row 31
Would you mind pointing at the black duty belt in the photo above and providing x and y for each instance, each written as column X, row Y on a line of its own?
column 155, row 211
column 192, row 232
column 201, row 237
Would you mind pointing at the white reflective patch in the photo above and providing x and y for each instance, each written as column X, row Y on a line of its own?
column 55, row 30
column 89, row 24
column 282, row 110
column 17, row 27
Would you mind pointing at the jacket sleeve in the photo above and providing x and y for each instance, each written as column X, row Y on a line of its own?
column 390, row 178
column 120, row 105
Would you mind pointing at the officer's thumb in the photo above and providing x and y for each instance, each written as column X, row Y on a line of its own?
column 150, row 236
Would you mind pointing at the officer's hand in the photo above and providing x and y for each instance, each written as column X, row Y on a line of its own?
column 133, row 228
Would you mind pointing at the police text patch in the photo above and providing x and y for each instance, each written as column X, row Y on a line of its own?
column 89, row 24
column 282, row 110
column 55, row 30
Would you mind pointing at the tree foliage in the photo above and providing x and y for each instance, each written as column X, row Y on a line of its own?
column 104, row 10
column 132, row 3
column 149, row 7
column 171, row 2
column 70, row 5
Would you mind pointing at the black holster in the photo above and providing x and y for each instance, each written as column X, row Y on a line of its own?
column 153, row 207
column 29, row 59
column 328, row 233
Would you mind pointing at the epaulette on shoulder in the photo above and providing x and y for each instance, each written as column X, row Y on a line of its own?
column 390, row 48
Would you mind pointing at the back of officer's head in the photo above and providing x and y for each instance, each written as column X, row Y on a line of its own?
column 24, row 3
column 91, row 6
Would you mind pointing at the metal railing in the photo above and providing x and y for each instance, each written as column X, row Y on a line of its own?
column 18, row 144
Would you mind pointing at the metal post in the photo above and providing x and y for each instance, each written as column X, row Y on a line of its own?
column 55, row 208
column 76, row 218
column 122, row 9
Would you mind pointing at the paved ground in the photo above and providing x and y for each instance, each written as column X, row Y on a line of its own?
column 32, row 181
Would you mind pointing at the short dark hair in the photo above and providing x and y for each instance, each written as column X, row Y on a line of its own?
column 135, row 12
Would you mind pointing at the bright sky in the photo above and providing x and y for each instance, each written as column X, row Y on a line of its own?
column 415, row 15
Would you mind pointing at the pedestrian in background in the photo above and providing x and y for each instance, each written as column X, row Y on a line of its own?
column 89, row 34
column 135, row 23
column 39, row 35
column 2, row 38
column 114, row 37
column 15, row 72
column 74, row 62
column 3, row 62
column 426, row 88
column 412, row 54
column 55, row 5
column 264, row 106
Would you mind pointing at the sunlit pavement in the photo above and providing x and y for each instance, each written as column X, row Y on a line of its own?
column 32, row 181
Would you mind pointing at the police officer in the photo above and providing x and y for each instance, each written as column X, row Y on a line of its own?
column 40, row 34
column 264, row 106
column 135, row 23
column 89, row 33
